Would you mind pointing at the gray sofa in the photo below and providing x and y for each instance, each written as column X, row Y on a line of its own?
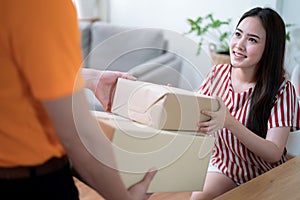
column 138, row 51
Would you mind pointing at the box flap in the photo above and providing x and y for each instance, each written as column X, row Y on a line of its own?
column 143, row 97
column 127, row 89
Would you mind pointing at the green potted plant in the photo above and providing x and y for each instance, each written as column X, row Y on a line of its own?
column 216, row 33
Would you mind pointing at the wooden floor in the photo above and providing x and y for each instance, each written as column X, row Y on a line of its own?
column 86, row 193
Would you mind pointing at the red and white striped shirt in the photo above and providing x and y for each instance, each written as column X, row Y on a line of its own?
column 230, row 155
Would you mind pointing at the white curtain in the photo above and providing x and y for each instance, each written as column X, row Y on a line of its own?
column 91, row 9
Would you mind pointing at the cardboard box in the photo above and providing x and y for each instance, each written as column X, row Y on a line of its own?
column 159, row 106
column 181, row 157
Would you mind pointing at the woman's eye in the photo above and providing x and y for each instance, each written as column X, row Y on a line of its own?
column 237, row 34
column 252, row 40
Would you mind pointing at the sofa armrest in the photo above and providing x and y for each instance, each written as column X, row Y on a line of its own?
column 93, row 102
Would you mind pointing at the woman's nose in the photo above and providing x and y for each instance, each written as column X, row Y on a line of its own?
column 240, row 44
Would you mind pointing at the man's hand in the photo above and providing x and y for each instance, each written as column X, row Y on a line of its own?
column 103, row 84
column 139, row 190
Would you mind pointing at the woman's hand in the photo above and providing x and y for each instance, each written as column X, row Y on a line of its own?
column 217, row 120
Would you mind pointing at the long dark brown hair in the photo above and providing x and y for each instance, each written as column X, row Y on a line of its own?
column 270, row 72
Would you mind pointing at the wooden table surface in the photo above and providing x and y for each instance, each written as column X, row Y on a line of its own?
column 282, row 182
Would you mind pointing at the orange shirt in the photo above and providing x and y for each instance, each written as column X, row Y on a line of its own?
column 40, row 58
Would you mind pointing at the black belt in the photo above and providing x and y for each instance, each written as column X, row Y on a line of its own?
column 52, row 165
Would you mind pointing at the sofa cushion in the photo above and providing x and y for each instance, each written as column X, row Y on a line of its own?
column 119, row 48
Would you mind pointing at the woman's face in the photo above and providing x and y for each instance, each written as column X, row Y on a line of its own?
column 247, row 43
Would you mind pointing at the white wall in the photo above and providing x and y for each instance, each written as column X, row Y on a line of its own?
column 92, row 9
column 290, row 11
column 172, row 14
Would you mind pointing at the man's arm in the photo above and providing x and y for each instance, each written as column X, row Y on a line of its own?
column 88, row 148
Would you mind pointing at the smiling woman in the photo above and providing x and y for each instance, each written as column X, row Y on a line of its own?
column 258, row 106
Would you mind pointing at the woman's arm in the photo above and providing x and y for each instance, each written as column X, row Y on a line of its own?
column 270, row 149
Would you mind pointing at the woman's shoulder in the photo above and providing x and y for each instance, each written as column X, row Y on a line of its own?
column 221, row 69
column 286, row 84
column 286, row 87
column 222, row 66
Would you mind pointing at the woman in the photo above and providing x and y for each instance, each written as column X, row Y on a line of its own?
column 258, row 106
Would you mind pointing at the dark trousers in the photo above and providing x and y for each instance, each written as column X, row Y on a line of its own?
column 57, row 185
